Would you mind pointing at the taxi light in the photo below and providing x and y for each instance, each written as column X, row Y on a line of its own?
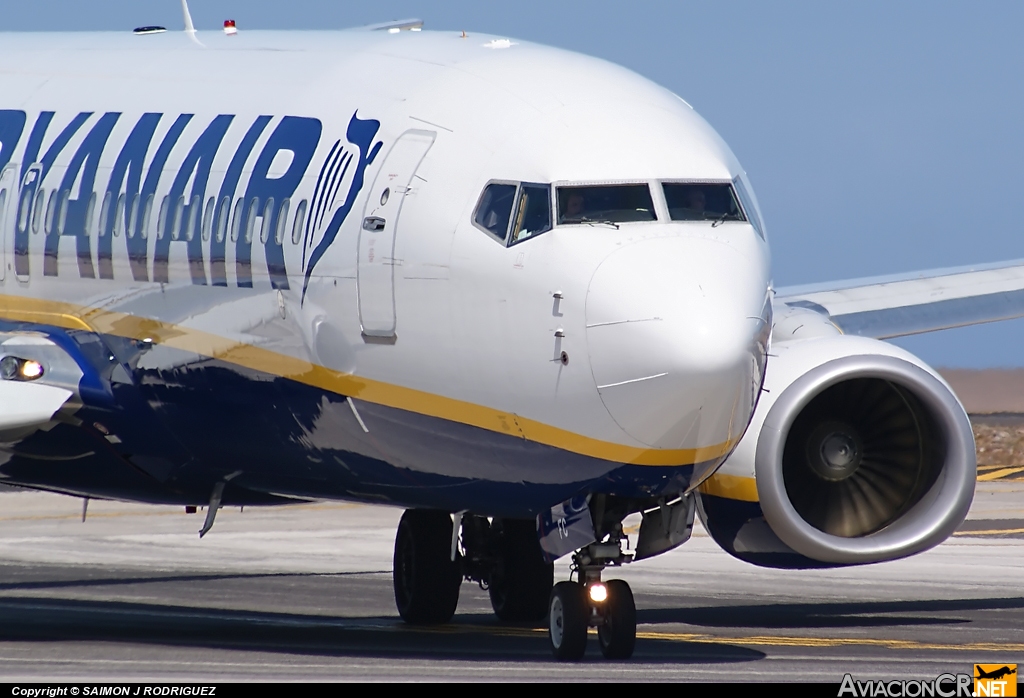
column 598, row 592
column 30, row 370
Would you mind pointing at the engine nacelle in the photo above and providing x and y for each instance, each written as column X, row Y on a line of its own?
column 858, row 452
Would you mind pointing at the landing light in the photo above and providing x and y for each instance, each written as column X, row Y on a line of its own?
column 598, row 592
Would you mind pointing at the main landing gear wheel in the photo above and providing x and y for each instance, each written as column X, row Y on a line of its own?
column 617, row 631
column 568, row 618
column 425, row 577
column 520, row 584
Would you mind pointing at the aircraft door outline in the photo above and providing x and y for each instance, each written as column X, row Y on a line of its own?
column 8, row 193
column 375, row 263
column 25, row 219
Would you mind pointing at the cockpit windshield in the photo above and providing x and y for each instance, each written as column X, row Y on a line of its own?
column 702, row 202
column 618, row 203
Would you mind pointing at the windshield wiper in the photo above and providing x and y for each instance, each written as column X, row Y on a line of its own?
column 721, row 219
column 598, row 221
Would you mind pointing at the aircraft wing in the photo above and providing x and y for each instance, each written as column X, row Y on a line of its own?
column 938, row 299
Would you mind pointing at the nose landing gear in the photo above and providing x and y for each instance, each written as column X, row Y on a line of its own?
column 574, row 607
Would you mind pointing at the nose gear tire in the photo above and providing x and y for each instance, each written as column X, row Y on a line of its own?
column 617, row 633
column 568, row 616
column 426, row 580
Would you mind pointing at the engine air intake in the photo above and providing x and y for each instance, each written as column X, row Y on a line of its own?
column 864, row 458
column 860, row 454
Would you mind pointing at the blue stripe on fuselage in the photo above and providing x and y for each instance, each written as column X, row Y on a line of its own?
column 197, row 419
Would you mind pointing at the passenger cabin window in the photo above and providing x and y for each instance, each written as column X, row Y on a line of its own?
column 62, row 211
column 495, row 209
column 236, row 219
column 119, row 222
column 211, row 207
column 37, row 212
column 619, row 203
column 300, row 217
column 51, row 210
column 161, row 221
column 104, row 215
column 194, row 210
column 179, row 213
column 147, row 212
column 222, row 218
column 268, row 214
column 250, row 221
column 282, row 220
column 89, row 211
column 702, row 202
column 532, row 212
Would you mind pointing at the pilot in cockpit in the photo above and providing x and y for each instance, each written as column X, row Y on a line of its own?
column 574, row 206
column 695, row 203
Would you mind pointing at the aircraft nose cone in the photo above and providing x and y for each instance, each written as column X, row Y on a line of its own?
column 676, row 329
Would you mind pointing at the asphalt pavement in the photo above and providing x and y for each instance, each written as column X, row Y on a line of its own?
column 304, row 593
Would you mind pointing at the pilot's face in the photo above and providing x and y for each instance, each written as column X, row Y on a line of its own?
column 696, row 200
column 574, row 206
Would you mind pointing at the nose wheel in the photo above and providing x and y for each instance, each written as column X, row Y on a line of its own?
column 568, row 619
column 617, row 631
column 574, row 608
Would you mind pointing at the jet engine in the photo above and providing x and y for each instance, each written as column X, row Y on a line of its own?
column 860, row 453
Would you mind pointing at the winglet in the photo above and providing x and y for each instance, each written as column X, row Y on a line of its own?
column 190, row 28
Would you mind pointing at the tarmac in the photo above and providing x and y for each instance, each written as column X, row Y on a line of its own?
column 304, row 593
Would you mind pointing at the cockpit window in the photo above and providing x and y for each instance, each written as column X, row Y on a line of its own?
column 532, row 213
column 619, row 203
column 495, row 208
column 748, row 205
column 702, row 202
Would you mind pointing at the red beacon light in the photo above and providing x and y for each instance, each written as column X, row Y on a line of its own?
column 229, row 27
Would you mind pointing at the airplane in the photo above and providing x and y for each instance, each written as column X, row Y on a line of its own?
column 995, row 673
column 519, row 292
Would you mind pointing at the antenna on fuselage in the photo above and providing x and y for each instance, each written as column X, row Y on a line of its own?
column 190, row 28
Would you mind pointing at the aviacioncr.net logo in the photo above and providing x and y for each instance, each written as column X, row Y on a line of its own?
column 942, row 686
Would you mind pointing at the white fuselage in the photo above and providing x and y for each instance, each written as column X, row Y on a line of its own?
column 641, row 344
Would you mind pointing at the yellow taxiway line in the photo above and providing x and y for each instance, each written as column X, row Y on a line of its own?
column 757, row 640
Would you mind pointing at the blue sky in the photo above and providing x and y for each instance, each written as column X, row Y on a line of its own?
column 880, row 137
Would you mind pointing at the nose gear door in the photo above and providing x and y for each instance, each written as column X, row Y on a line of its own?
column 375, row 265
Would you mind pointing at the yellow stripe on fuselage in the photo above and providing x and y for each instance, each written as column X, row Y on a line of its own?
column 102, row 321
column 731, row 487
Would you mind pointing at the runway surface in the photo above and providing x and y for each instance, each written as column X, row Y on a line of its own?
column 304, row 593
